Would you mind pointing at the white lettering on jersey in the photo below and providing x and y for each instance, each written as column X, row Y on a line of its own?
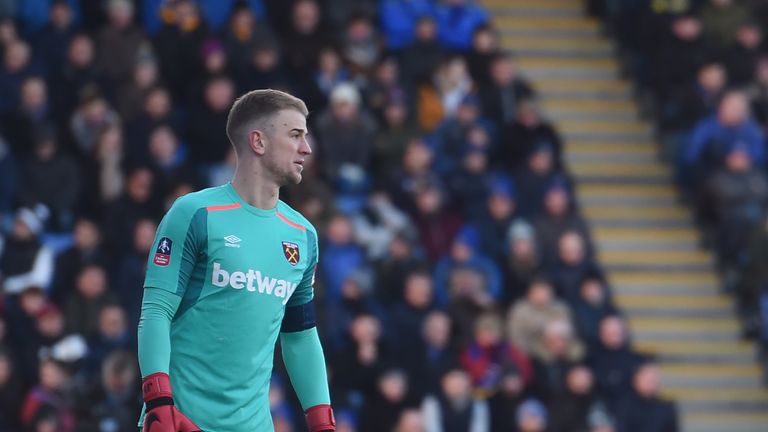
column 280, row 288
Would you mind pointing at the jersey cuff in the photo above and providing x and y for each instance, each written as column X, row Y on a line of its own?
column 299, row 318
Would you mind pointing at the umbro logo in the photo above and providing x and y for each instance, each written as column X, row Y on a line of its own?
column 232, row 241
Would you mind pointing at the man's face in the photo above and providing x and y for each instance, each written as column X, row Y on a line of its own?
column 286, row 146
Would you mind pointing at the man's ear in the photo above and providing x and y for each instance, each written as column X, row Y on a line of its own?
column 257, row 141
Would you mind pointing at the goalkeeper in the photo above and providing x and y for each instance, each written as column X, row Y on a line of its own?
column 232, row 267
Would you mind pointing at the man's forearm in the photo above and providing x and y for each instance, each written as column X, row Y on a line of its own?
column 305, row 362
column 157, row 310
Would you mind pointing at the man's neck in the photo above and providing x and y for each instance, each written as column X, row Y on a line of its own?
column 254, row 189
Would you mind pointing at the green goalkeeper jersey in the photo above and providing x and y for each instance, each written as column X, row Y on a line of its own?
column 235, row 268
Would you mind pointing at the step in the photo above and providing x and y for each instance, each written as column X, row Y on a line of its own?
column 568, row 68
column 689, row 328
column 700, row 399
column 645, row 234
column 693, row 280
column 627, row 130
column 558, row 46
column 705, row 375
column 546, row 8
column 712, row 348
column 586, row 87
column 620, row 169
column 622, row 212
column 731, row 421
column 654, row 260
column 674, row 301
column 506, row 22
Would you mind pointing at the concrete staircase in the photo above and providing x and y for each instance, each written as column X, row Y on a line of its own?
column 646, row 240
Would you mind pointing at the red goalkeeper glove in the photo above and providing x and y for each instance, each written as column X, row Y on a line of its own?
column 320, row 418
column 162, row 415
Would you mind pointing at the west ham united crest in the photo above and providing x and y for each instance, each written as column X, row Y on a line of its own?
column 291, row 252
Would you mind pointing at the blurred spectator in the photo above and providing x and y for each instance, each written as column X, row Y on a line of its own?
column 758, row 93
column 687, row 104
column 721, row 20
column 413, row 175
column 572, row 264
column 242, row 34
column 207, row 145
column 51, row 340
column 383, row 408
column 485, row 44
column 341, row 255
column 741, row 58
column 51, row 178
column 437, row 356
column 739, row 193
column 535, row 177
column 522, row 263
column 178, row 44
column 168, row 157
column 122, row 214
column 92, row 117
column 523, row 135
column 330, row 72
column 51, row 42
column 531, row 416
column 116, row 402
column 157, row 110
column 408, row 319
column 559, row 351
column 304, row 38
column 17, row 66
column 682, row 52
column 529, row 317
column 753, row 279
column 457, row 21
column 264, row 69
column 131, row 94
column 501, row 97
column 453, row 136
column 569, row 410
column 509, row 395
column 453, row 408
column 24, row 261
column 78, row 83
column 386, row 88
column 53, row 393
column 465, row 254
column 714, row 135
column 469, row 182
column 643, row 409
column 361, row 46
column 613, row 361
column 103, row 171
column 469, row 299
column 362, row 361
column 590, row 308
column 83, row 307
column 420, row 58
column 435, row 221
column 8, row 182
column 112, row 336
column 345, row 132
column 400, row 20
column 558, row 217
column 495, row 217
column 33, row 115
column 119, row 42
column 391, row 141
column 10, row 389
column 129, row 279
column 410, row 420
column 489, row 356
column 400, row 260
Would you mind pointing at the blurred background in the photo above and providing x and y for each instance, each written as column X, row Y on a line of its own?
column 534, row 215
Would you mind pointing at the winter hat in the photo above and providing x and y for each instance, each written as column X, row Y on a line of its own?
column 34, row 218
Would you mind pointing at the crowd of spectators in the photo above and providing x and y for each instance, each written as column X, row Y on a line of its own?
column 703, row 65
column 458, row 288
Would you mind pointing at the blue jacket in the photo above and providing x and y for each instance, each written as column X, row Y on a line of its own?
column 710, row 139
column 483, row 264
column 399, row 17
column 455, row 24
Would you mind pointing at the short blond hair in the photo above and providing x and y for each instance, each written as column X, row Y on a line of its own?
column 255, row 107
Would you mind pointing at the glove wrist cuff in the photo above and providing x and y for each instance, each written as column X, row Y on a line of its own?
column 320, row 418
column 157, row 385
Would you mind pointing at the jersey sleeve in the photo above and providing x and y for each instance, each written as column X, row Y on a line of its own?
column 305, row 291
column 179, row 241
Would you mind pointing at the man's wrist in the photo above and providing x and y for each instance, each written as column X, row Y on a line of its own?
column 156, row 388
column 320, row 418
